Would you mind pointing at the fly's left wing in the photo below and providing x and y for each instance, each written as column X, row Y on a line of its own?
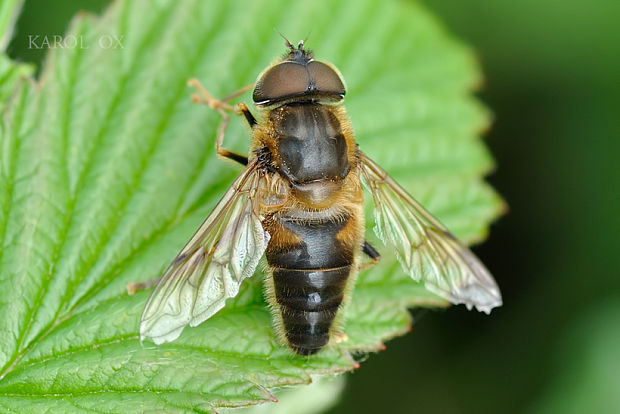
column 224, row 251
column 425, row 248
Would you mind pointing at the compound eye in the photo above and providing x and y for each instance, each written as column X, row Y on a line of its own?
column 283, row 80
column 326, row 79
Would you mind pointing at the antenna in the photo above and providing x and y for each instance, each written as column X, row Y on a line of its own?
column 286, row 41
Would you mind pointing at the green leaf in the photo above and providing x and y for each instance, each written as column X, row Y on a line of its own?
column 315, row 398
column 10, row 72
column 107, row 168
column 9, row 10
column 10, row 75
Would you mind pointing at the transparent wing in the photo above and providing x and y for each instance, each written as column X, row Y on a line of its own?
column 224, row 251
column 425, row 248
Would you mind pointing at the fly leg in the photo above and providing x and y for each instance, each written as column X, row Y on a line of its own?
column 135, row 287
column 372, row 253
column 222, row 107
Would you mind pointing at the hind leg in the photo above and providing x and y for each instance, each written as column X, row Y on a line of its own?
column 372, row 253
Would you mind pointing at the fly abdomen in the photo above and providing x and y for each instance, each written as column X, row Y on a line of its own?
column 310, row 266
column 309, row 301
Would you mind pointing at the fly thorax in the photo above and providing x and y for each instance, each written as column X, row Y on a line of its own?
column 312, row 150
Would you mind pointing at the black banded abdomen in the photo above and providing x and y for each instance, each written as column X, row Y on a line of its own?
column 319, row 247
column 309, row 301
column 309, row 278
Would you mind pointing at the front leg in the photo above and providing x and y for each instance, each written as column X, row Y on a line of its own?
column 222, row 106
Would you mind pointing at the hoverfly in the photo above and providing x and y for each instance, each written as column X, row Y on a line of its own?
column 299, row 202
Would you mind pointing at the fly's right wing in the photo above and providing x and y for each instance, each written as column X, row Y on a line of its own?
column 427, row 251
column 224, row 251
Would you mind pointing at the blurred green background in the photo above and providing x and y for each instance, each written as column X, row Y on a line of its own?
column 553, row 83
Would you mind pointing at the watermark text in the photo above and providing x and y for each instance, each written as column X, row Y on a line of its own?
column 106, row 41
